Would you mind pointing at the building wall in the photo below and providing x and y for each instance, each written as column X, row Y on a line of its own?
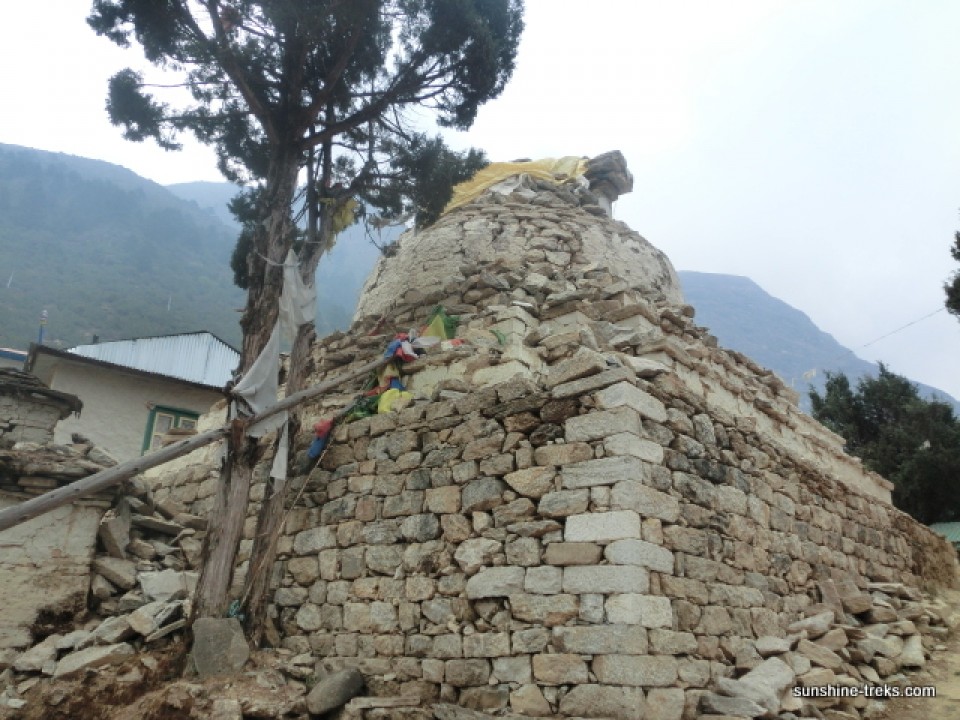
column 45, row 563
column 116, row 405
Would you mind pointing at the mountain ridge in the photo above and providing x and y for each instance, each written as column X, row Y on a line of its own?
column 106, row 253
column 745, row 317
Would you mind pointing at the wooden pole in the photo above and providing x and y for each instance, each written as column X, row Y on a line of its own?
column 103, row 479
column 113, row 476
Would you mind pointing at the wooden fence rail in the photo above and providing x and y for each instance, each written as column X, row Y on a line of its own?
column 113, row 476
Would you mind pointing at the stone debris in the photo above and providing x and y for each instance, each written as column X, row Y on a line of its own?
column 334, row 690
column 167, row 585
column 862, row 653
column 76, row 663
column 139, row 583
column 121, row 573
column 219, row 646
column 28, row 469
column 45, row 562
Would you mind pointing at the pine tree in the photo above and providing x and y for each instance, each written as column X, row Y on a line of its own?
column 282, row 88
column 913, row 442
column 952, row 288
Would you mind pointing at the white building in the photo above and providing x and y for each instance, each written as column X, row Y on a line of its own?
column 135, row 391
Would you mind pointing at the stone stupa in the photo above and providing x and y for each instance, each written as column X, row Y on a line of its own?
column 590, row 510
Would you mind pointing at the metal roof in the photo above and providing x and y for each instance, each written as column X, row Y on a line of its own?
column 949, row 530
column 199, row 357
column 11, row 354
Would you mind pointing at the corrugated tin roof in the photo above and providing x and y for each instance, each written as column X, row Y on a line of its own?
column 11, row 354
column 949, row 530
column 199, row 357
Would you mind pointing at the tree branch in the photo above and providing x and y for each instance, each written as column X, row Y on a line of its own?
column 333, row 77
column 228, row 61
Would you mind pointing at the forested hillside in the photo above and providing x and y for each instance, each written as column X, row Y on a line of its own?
column 106, row 253
column 109, row 253
column 212, row 197
column 341, row 273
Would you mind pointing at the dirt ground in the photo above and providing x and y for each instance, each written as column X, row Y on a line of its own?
column 943, row 672
column 134, row 691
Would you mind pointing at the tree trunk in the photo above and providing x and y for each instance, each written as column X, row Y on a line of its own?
column 225, row 529
column 269, row 522
column 271, row 243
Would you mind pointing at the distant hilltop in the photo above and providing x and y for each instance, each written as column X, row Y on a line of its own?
column 106, row 253
column 745, row 317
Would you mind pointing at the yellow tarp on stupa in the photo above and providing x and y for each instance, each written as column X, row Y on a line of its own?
column 556, row 170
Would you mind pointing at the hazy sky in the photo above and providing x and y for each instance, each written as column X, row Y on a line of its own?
column 812, row 146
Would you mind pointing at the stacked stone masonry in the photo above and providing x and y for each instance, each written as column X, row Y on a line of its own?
column 29, row 424
column 45, row 562
column 29, row 410
column 539, row 224
column 598, row 513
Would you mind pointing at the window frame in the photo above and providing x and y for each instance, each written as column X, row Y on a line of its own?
column 156, row 411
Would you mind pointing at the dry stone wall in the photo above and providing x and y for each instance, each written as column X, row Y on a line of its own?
column 592, row 512
column 458, row 552
column 29, row 410
column 537, row 225
column 33, row 423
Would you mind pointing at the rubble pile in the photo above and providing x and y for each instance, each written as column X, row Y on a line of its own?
column 138, row 585
column 836, row 661
column 45, row 562
column 133, row 620
column 28, row 469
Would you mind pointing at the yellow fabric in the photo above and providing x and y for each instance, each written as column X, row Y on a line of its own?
column 387, row 373
column 345, row 216
column 436, row 329
column 393, row 399
column 556, row 170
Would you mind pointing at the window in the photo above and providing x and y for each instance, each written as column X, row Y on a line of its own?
column 164, row 419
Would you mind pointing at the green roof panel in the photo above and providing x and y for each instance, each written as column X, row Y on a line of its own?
column 949, row 530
